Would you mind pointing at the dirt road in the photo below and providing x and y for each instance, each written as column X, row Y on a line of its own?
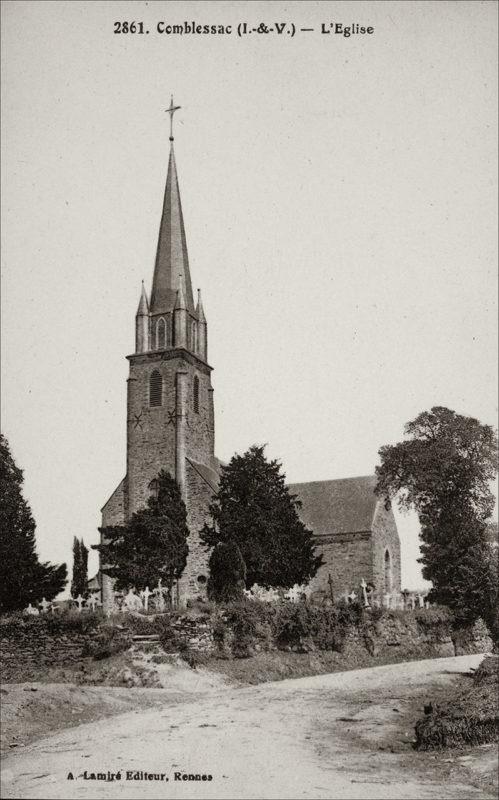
column 344, row 735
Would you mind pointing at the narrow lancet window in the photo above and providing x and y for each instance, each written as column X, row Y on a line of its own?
column 155, row 389
column 160, row 334
column 388, row 572
column 196, row 394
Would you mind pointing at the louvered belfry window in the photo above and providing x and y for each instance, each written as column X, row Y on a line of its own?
column 155, row 389
column 196, row 394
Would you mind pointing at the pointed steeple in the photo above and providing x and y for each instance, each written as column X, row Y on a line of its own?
column 143, row 302
column 202, row 329
column 199, row 308
column 142, row 323
column 171, row 256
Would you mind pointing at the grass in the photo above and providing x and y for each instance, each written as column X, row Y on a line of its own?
column 468, row 717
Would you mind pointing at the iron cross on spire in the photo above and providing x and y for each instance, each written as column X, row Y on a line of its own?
column 171, row 112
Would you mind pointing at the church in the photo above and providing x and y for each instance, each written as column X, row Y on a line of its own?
column 170, row 425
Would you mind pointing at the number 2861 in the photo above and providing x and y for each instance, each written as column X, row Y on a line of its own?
column 129, row 27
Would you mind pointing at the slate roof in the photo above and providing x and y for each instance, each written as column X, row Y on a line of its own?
column 346, row 505
column 171, row 256
column 209, row 475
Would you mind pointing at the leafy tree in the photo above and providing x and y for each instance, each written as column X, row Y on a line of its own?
column 23, row 578
column 153, row 544
column 444, row 470
column 254, row 509
column 227, row 573
column 79, row 584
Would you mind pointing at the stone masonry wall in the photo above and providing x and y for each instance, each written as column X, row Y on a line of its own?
column 28, row 647
column 113, row 513
column 31, row 646
column 199, row 495
column 150, row 433
column 151, row 430
column 385, row 537
column 348, row 557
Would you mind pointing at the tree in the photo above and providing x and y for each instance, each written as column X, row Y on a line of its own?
column 254, row 509
column 227, row 573
column 23, row 578
column 153, row 544
column 79, row 584
column 444, row 471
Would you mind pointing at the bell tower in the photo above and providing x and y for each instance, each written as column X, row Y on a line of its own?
column 170, row 419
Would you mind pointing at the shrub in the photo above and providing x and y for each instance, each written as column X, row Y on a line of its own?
column 107, row 641
column 250, row 623
column 66, row 620
column 468, row 718
column 487, row 672
column 193, row 658
column 297, row 625
column 227, row 573
column 167, row 636
column 118, row 673
column 437, row 620
column 307, row 627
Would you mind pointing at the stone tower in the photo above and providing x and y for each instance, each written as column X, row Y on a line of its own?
column 170, row 419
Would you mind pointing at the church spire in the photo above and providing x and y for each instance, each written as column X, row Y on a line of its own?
column 171, row 256
column 142, row 323
column 143, row 302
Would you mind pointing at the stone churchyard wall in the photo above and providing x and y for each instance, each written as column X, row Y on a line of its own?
column 356, row 637
column 30, row 645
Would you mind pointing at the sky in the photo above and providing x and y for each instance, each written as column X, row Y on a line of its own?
column 339, row 197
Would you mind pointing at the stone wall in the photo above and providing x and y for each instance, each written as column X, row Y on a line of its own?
column 29, row 646
column 151, row 436
column 199, row 495
column 194, row 634
column 348, row 558
column 113, row 513
column 381, row 637
column 385, row 538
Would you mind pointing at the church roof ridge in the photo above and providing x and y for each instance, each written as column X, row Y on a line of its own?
column 371, row 476
column 342, row 505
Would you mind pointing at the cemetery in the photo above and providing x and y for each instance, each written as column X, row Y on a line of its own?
column 356, row 630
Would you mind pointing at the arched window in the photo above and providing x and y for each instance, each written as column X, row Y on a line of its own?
column 194, row 338
column 388, row 572
column 169, row 331
column 155, row 389
column 154, row 488
column 195, row 394
column 160, row 334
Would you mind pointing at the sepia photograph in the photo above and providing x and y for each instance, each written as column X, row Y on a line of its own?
column 249, row 449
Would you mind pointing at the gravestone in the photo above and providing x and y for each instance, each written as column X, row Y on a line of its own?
column 159, row 599
column 79, row 602
column 93, row 601
column 45, row 605
column 145, row 594
column 363, row 586
column 132, row 601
